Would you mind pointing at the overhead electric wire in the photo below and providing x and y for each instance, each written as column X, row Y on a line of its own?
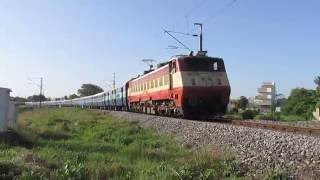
column 182, row 33
column 165, row 31
column 220, row 11
column 227, row 6
column 195, row 8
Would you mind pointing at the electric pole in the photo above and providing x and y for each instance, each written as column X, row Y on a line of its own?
column 40, row 97
column 200, row 35
column 114, row 80
column 40, row 86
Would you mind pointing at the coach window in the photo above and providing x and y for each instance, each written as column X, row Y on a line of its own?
column 160, row 82
column 156, row 81
column 166, row 80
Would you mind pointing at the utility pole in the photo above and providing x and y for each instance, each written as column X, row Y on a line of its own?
column 40, row 100
column 40, row 86
column 200, row 36
column 114, row 80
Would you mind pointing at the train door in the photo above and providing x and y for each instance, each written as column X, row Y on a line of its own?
column 172, row 70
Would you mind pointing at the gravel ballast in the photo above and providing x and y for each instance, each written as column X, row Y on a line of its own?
column 258, row 150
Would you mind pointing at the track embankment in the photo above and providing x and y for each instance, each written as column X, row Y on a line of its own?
column 259, row 150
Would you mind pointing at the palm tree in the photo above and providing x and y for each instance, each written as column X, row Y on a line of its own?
column 317, row 81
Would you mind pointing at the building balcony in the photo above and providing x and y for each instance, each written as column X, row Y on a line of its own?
column 268, row 84
column 264, row 103
column 264, row 97
column 265, row 90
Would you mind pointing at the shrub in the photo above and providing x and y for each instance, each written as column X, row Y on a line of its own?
column 248, row 114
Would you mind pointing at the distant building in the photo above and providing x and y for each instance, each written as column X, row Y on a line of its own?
column 233, row 104
column 266, row 97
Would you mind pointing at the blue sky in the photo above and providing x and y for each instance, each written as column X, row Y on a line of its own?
column 71, row 42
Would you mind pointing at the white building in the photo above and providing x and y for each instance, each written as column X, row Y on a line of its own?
column 7, row 110
column 266, row 97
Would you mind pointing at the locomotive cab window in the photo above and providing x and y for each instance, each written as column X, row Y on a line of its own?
column 202, row 64
column 174, row 68
column 215, row 66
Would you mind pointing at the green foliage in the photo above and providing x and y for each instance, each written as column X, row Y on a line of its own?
column 301, row 102
column 36, row 98
column 89, row 89
column 317, row 82
column 243, row 102
column 276, row 174
column 281, row 102
column 249, row 114
column 72, row 143
column 19, row 99
column 73, row 96
column 277, row 116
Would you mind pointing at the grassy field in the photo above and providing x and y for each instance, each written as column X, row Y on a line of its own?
column 82, row 144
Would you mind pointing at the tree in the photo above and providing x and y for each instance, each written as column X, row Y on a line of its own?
column 301, row 102
column 36, row 98
column 89, row 89
column 73, row 96
column 19, row 99
column 317, row 81
column 243, row 102
column 280, row 100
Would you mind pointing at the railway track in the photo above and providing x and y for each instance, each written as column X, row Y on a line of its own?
column 271, row 125
column 278, row 127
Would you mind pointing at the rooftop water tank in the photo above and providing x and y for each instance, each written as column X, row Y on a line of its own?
column 4, row 105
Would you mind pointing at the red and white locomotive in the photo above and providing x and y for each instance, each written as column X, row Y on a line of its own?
column 186, row 86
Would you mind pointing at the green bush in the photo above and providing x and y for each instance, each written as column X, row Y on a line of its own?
column 249, row 114
column 277, row 116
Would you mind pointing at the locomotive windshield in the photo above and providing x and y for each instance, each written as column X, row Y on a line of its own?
column 202, row 64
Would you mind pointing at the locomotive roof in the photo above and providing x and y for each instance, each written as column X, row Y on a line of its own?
column 164, row 64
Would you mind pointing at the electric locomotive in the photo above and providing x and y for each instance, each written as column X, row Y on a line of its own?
column 185, row 86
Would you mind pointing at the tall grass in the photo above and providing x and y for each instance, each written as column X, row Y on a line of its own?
column 83, row 144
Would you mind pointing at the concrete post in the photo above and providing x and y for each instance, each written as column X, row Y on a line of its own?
column 4, row 106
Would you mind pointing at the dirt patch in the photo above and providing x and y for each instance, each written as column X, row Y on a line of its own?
column 15, row 139
column 30, row 158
